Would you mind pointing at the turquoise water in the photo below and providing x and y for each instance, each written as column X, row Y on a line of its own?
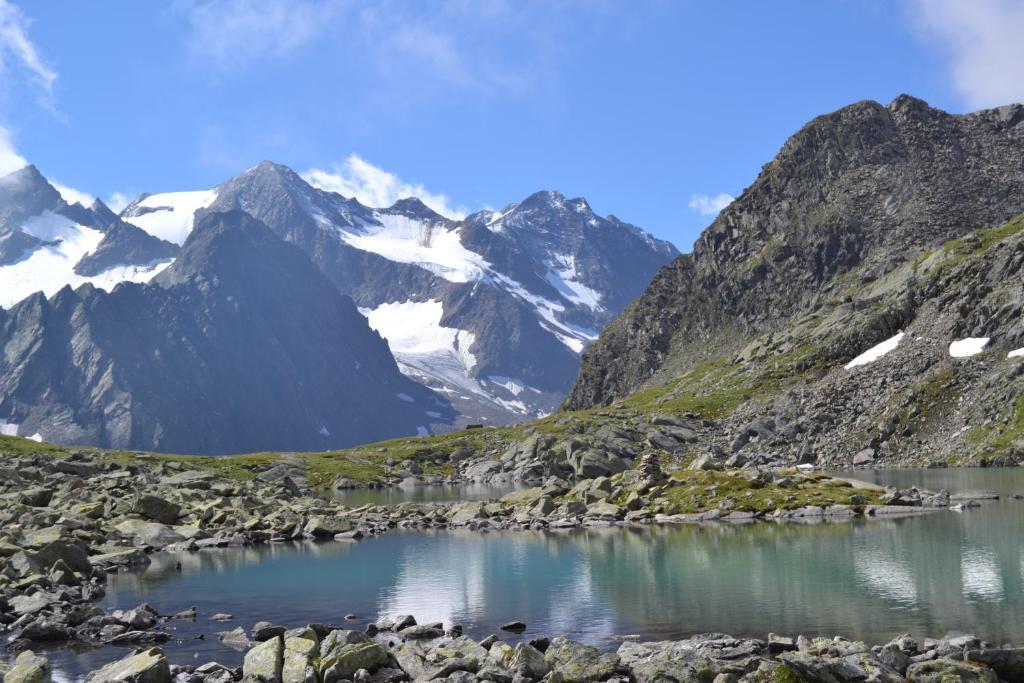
column 861, row 579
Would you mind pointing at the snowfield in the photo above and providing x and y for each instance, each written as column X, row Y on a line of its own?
column 875, row 352
column 170, row 215
column 50, row 268
column 404, row 240
column 565, row 279
column 421, row 345
column 971, row 346
column 1016, row 353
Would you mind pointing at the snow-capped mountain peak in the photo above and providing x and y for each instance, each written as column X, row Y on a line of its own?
column 494, row 310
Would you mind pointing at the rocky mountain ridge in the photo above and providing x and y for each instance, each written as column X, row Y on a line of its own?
column 492, row 310
column 212, row 356
column 871, row 221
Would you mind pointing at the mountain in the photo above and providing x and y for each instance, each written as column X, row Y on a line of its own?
column 893, row 225
column 239, row 345
column 493, row 310
column 46, row 243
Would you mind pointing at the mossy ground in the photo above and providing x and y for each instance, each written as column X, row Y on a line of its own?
column 701, row 491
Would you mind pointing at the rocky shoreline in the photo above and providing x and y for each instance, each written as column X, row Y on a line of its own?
column 69, row 520
column 401, row 649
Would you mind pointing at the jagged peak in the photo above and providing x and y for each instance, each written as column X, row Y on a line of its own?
column 26, row 174
column 413, row 206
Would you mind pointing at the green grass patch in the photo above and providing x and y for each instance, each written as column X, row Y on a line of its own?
column 702, row 491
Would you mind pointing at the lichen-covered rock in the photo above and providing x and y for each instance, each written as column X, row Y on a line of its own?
column 528, row 661
column 148, row 666
column 300, row 653
column 28, row 668
column 343, row 653
column 263, row 662
column 949, row 671
column 577, row 662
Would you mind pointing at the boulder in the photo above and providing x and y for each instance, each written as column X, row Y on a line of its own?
column 323, row 526
column 464, row 513
column 28, row 668
column 864, row 457
column 156, row 508
column 263, row 663
column 300, row 653
column 577, row 662
column 149, row 533
column 264, row 630
column 529, row 662
column 148, row 666
column 343, row 653
column 1008, row 663
column 947, row 670
column 72, row 555
column 605, row 510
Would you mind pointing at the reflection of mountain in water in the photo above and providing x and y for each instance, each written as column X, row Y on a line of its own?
column 876, row 579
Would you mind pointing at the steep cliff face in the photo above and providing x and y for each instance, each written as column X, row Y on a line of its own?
column 849, row 199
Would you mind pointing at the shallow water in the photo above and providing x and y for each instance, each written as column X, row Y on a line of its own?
column 862, row 579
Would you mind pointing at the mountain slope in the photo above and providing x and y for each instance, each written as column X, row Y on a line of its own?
column 859, row 189
column 871, row 222
column 213, row 356
column 493, row 310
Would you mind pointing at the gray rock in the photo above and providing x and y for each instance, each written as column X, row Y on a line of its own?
column 148, row 666
column 948, row 670
column 156, row 508
column 577, row 662
column 263, row 662
column 28, row 668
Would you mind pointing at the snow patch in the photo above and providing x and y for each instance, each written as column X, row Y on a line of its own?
column 37, row 437
column 510, row 384
column 422, row 347
column 170, row 215
column 971, row 346
column 8, row 428
column 1016, row 353
column 564, row 278
column 875, row 352
column 428, row 245
column 49, row 268
column 324, row 431
column 422, row 431
column 406, row 397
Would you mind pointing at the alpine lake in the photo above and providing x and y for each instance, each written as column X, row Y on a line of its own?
column 869, row 579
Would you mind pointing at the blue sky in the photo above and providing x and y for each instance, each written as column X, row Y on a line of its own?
column 651, row 109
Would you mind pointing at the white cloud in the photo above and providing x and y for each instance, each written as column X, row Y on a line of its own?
column 710, row 206
column 14, row 44
column 231, row 34
column 118, row 201
column 983, row 42
column 373, row 186
column 71, row 195
column 10, row 160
